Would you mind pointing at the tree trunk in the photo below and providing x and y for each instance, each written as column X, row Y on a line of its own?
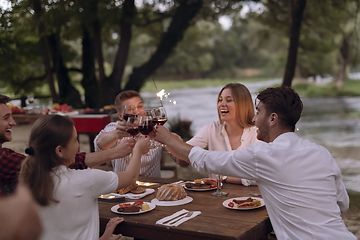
column 115, row 79
column 67, row 92
column 297, row 8
column 89, row 81
column 44, row 51
column 343, row 61
column 183, row 16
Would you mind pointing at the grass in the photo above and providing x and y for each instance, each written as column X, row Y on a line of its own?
column 351, row 88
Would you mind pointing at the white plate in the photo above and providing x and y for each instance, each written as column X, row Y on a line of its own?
column 115, row 209
column 226, row 202
column 130, row 195
column 172, row 203
column 200, row 190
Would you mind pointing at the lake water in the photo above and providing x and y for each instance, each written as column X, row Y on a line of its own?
column 331, row 122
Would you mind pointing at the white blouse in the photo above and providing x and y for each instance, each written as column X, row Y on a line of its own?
column 214, row 136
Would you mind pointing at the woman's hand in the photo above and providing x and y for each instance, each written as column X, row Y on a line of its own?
column 109, row 230
column 142, row 145
column 125, row 147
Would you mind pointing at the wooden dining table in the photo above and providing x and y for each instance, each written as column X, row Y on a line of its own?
column 214, row 222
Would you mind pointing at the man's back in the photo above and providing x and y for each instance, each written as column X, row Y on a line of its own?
column 301, row 185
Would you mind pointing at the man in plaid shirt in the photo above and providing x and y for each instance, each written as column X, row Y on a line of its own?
column 10, row 161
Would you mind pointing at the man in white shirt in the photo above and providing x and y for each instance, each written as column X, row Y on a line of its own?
column 115, row 133
column 300, row 181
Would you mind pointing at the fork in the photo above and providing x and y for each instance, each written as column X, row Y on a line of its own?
column 189, row 214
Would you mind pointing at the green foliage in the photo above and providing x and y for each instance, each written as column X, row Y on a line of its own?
column 351, row 88
column 181, row 127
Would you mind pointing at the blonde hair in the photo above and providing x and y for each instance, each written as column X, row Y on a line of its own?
column 243, row 104
column 47, row 133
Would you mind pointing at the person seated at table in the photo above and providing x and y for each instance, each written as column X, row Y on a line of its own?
column 68, row 197
column 19, row 216
column 234, row 130
column 115, row 133
column 299, row 181
column 10, row 161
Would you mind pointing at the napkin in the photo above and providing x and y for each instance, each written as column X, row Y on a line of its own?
column 166, row 220
column 148, row 191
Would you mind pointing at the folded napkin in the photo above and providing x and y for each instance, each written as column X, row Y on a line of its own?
column 171, row 220
column 129, row 195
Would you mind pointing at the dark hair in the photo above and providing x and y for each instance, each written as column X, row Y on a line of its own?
column 47, row 133
column 283, row 101
column 121, row 97
column 4, row 99
column 243, row 103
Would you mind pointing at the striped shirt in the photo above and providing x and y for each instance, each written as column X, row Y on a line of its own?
column 150, row 162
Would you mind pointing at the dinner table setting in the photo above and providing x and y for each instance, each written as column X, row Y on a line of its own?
column 199, row 214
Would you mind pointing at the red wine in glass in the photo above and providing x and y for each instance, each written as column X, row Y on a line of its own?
column 133, row 131
column 146, row 129
column 126, row 116
column 159, row 121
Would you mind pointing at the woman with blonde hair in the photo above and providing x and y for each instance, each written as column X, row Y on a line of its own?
column 67, row 197
column 234, row 130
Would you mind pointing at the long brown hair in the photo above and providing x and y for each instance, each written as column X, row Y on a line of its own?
column 47, row 133
column 243, row 103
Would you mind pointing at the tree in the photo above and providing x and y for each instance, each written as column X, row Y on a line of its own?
column 297, row 8
column 61, row 24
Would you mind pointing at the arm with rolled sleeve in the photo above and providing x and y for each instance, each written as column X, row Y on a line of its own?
column 240, row 164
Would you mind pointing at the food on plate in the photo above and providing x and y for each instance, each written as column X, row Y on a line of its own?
column 198, row 185
column 134, row 207
column 127, row 189
column 170, row 192
column 138, row 203
column 199, row 181
column 145, row 207
column 209, row 181
column 205, row 183
column 138, row 190
column 17, row 110
column 249, row 202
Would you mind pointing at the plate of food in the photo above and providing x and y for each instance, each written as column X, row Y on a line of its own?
column 171, row 195
column 183, row 201
column 134, row 192
column 244, row 203
column 205, row 184
column 136, row 207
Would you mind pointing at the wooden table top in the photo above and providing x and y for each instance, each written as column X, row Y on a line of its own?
column 214, row 222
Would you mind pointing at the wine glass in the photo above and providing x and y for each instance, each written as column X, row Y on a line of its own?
column 146, row 126
column 132, row 125
column 31, row 98
column 159, row 115
column 128, row 111
column 218, row 192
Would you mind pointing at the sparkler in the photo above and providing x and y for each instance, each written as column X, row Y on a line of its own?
column 162, row 94
column 157, row 94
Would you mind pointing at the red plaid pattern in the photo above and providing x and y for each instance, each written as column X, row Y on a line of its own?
column 10, row 163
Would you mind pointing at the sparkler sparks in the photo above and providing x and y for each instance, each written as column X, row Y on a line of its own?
column 163, row 94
